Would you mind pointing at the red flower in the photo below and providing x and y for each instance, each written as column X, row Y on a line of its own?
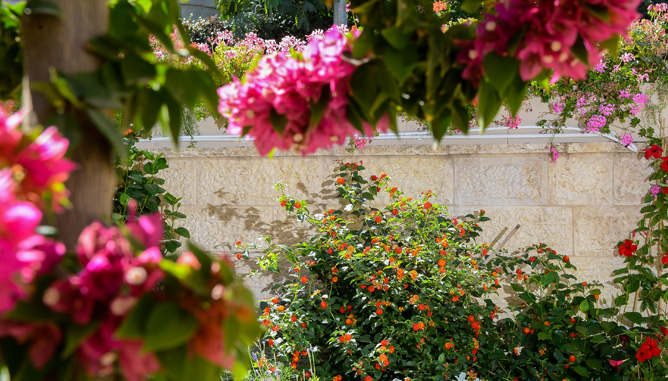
column 664, row 259
column 648, row 349
column 653, row 151
column 664, row 164
column 627, row 248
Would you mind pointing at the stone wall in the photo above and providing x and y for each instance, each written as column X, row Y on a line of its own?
column 582, row 205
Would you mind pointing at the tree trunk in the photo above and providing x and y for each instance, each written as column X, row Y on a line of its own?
column 59, row 43
column 340, row 17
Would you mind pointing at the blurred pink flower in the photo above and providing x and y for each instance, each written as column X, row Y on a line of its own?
column 285, row 88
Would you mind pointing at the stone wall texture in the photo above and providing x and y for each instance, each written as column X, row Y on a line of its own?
column 582, row 205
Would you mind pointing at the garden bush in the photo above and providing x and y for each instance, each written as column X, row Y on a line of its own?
column 406, row 292
column 381, row 293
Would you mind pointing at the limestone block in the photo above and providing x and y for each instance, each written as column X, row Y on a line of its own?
column 630, row 181
column 250, row 181
column 501, row 180
column 601, row 147
column 217, row 228
column 597, row 229
column 181, row 179
column 498, row 149
column 581, row 179
column 414, row 175
column 260, row 283
column 551, row 225
column 599, row 269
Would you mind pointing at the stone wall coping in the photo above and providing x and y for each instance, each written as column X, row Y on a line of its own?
column 401, row 150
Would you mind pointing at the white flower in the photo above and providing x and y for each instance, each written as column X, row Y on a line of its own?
column 318, row 217
column 122, row 304
column 51, row 297
column 136, row 276
column 348, row 207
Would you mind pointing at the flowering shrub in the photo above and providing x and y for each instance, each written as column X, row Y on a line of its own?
column 115, row 305
column 399, row 292
column 558, row 328
column 644, row 279
column 405, row 292
column 295, row 101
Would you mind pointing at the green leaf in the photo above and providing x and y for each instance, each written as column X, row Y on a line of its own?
column 582, row 371
column 75, row 334
column 500, row 70
column 579, row 50
column 600, row 12
column 584, row 306
column 396, row 36
column 168, row 326
column 516, row 94
column 278, row 121
column 136, row 70
column 149, row 101
column 548, row 278
column 124, row 198
column 401, row 62
column 153, row 189
column 133, row 326
column 364, row 43
column 180, row 365
column 439, row 126
column 184, row 86
column 385, row 82
column 363, row 86
column 470, row 6
column 186, row 274
column 318, row 108
column 489, row 103
column 183, row 232
column 109, row 131
column 544, row 336
column 517, row 287
column 612, row 45
column 172, row 245
column 635, row 317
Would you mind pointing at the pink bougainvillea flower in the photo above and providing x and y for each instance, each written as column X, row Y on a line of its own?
column 96, row 238
column 18, row 254
column 41, row 162
column 627, row 248
column 64, row 296
column 43, row 339
column 274, row 104
column 10, row 136
column 209, row 339
column 45, row 167
column 40, row 255
column 147, row 229
column 135, row 364
column 544, row 34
